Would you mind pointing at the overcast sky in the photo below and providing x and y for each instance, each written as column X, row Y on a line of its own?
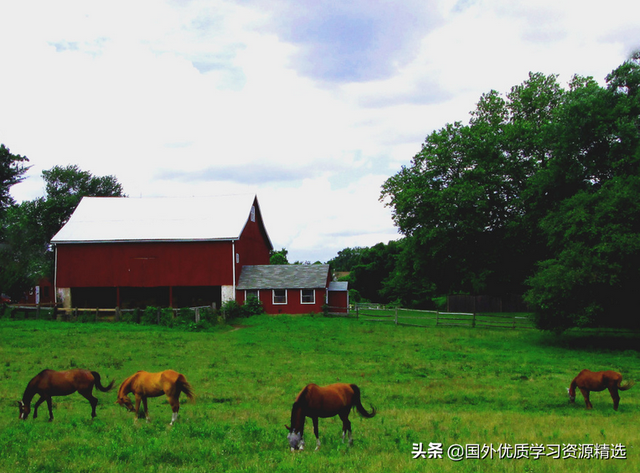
column 310, row 104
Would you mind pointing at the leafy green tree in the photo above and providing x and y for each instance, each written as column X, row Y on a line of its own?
column 29, row 227
column 279, row 257
column 592, row 231
column 346, row 259
column 460, row 199
column 12, row 171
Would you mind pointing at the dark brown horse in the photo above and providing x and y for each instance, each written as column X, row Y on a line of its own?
column 143, row 385
column 50, row 383
column 588, row 381
column 328, row 401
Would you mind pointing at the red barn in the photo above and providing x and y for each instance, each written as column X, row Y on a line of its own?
column 286, row 289
column 175, row 252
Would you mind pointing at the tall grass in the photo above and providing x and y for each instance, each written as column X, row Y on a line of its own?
column 443, row 385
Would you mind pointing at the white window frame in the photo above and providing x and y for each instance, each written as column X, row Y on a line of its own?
column 313, row 292
column 273, row 297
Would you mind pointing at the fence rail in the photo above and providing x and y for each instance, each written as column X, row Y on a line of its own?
column 435, row 318
column 99, row 314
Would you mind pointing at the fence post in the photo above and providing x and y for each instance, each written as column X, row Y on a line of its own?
column 396, row 315
column 158, row 316
column 197, row 314
column 437, row 317
column 117, row 317
column 473, row 323
column 97, row 313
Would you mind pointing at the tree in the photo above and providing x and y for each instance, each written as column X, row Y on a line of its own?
column 12, row 171
column 460, row 199
column 538, row 192
column 592, row 273
column 279, row 257
column 29, row 227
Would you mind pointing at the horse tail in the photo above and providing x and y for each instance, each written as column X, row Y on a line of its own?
column 99, row 385
column 185, row 387
column 626, row 385
column 358, row 403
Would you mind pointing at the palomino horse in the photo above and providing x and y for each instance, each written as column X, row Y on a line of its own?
column 49, row 383
column 144, row 385
column 588, row 381
column 328, row 401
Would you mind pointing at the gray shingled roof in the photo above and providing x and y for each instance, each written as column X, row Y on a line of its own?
column 285, row 276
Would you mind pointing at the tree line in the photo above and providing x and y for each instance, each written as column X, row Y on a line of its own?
column 539, row 194
column 27, row 228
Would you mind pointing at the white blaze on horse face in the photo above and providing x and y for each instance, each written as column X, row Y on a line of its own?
column 295, row 440
column 174, row 417
column 571, row 398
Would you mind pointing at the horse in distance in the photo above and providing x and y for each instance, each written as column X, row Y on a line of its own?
column 50, row 383
column 588, row 381
column 328, row 401
column 145, row 385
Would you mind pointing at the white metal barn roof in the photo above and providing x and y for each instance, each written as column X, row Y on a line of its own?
column 124, row 219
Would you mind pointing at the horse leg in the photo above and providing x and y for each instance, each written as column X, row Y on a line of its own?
column 315, row 431
column 137, row 408
column 35, row 407
column 585, row 393
column 88, row 395
column 174, row 402
column 346, row 427
column 615, row 396
column 146, row 409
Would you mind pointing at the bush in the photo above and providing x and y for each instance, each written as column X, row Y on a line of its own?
column 252, row 306
column 231, row 310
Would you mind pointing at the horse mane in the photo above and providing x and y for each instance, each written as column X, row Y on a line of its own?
column 125, row 387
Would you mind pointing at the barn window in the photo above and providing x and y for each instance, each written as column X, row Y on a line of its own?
column 253, row 213
column 279, row 296
column 308, row 296
column 251, row 293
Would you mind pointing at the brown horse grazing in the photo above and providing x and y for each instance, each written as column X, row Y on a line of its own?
column 588, row 381
column 144, row 385
column 328, row 401
column 50, row 383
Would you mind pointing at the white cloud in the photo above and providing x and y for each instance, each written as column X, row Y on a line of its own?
column 209, row 97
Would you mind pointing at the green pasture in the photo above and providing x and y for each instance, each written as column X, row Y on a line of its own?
column 448, row 385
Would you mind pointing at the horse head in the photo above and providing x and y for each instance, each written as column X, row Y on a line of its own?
column 296, row 442
column 126, row 403
column 24, row 410
column 572, row 395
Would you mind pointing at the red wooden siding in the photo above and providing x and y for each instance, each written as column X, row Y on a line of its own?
column 338, row 301
column 253, row 246
column 144, row 264
column 293, row 305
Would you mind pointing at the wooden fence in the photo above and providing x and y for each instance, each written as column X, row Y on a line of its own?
column 96, row 314
column 435, row 318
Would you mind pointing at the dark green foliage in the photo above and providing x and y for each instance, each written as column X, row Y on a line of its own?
column 12, row 171
column 231, row 310
column 279, row 257
column 538, row 192
column 27, row 229
column 252, row 306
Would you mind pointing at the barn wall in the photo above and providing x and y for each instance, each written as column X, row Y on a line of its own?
column 144, row 264
column 338, row 301
column 293, row 306
column 252, row 247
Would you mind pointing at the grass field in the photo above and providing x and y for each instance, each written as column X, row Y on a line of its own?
column 446, row 385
